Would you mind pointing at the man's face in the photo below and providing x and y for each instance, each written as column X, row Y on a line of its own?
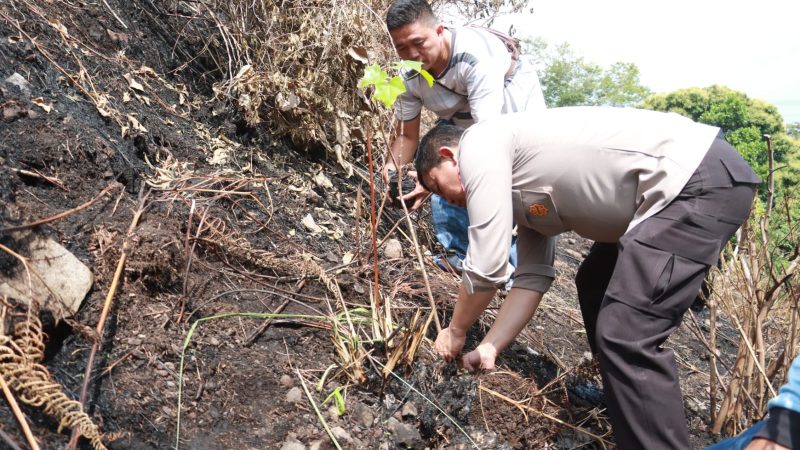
column 445, row 180
column 420, row 41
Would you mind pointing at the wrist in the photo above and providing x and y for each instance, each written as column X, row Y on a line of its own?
column 488, row 349
column 457, row 331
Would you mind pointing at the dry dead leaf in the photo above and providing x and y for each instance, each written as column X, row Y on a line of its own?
column 132, row 83
column 322, row 181
column 59, row 27
column 311, row 225
column 143, row 98
column 133, row 124
column 359, row 54
column 147, row 71
column 39, row 101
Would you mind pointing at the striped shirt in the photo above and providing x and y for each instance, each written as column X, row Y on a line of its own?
column 473, row 86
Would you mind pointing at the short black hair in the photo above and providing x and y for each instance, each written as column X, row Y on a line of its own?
column 405, row 12
column 442, row 135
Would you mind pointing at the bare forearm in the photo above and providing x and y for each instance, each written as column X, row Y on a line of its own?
column 402, row 152
column 405, row 144
column 515, row 313
column 469, row 308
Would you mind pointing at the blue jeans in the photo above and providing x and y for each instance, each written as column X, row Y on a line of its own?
column 450, row 223
column 738, row 442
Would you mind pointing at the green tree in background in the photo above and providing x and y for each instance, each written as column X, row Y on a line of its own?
column 720, row 106
column 744, row 121
column 793, row 129
column 567, row 79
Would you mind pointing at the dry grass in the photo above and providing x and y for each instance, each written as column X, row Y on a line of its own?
column 753, row 292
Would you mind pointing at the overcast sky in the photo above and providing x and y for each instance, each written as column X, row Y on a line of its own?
column 749, row 46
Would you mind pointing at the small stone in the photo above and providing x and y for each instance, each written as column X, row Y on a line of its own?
column 333, row 413
column 294, row 395
column 287, row 381
column 316, row 445
column 409, row 410
column 213, row 341
column 364, row 415
column 393, row 249
column 292, row 444
column 169, row 366
column 403, row 435
column 341, row 434
column 571, row 241
column 135, row 342
column 19, row 81
column 11, row 113
column 162, row 372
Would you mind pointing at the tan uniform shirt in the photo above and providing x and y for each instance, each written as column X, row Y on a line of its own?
column 598, row 171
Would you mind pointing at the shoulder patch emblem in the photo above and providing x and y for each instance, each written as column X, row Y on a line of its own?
column 538, row 209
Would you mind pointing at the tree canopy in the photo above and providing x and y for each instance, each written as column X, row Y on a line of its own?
column 568, row 79
column 746, row 123
column 720, row 106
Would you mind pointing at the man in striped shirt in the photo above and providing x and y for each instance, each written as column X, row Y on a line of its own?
column 477, row 73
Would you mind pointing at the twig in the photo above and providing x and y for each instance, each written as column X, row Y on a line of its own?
column 597, row 438
column 107, row 306
column 755, row 358
column 51, row 180
column 62, row 214
column 115, row 15
column 18, row 414
column 373, row 222
column 265, row 325
column 7, row 439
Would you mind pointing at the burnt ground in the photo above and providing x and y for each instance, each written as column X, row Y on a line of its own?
column 222, row 232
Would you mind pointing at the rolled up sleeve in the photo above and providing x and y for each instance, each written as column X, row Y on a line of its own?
column 535, row 255
column 408, row 105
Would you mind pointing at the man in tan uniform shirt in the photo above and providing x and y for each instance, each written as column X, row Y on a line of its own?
column 658, row 193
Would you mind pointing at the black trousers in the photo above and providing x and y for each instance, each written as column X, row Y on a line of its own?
column 633, row 295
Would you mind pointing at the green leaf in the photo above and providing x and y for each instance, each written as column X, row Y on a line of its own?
column 373, row 75
column 388, row 92
column 338, row 400
column 415, row 65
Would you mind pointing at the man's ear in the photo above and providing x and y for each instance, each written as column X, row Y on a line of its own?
column 439, row 29
column 446, row 152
